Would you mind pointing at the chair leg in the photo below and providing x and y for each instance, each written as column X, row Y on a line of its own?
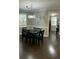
column 22, row 38
column 38, row 42
column 42, row 40
column 26, row 39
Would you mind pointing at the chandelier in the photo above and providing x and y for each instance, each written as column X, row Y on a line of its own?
column 29, row 5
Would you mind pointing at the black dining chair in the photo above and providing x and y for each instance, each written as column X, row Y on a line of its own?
column 32, row 38
column 29, row 36
column 23, row 33
column 39, row 36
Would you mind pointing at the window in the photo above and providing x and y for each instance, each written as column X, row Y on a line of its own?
column 22, row 20
column 53, row 20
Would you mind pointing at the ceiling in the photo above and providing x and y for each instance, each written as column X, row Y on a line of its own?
column 37, row 5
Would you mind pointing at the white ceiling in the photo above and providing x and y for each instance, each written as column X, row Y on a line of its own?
column 39, row 5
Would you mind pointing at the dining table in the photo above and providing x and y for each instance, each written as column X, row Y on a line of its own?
column 32, row 34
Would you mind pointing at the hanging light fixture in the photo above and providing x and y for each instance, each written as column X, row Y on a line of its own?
column 31, row 16
column 53, row 14
column 29, row 5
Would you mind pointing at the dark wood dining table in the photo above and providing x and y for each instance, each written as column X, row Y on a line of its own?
column 32, row 34
column 33, row 31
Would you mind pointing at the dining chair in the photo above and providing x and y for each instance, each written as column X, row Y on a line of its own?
column 23, row 33
column 39, row 36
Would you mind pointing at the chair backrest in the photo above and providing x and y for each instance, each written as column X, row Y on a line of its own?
column 24, row 31
column 39, row 33
column 42, row 33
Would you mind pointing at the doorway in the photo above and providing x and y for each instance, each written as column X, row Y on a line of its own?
column 54, row 23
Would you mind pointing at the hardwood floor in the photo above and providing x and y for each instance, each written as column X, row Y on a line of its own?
column 50, row 49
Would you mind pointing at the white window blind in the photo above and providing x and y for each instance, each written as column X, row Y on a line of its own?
column 22, row 20
column 53, row 20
